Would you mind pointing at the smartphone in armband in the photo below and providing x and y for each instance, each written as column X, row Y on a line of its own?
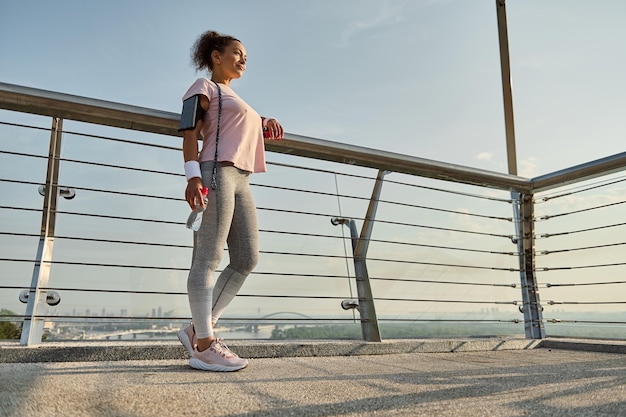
column 192, row 112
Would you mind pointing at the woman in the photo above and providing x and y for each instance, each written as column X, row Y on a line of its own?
column 232, row 148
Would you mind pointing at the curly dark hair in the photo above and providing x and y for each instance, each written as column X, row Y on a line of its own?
column 208, row 42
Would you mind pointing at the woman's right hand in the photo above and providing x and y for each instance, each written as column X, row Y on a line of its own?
column 193, row 193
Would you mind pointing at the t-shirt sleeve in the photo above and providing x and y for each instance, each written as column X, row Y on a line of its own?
column 200, row 86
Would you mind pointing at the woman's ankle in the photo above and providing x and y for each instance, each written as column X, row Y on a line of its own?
column 205, row 343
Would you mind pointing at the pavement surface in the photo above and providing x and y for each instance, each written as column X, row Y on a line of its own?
column 536, row 381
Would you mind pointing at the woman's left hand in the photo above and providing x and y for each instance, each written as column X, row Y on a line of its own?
column 275, row 129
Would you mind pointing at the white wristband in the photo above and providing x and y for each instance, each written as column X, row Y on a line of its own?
column 192, row 170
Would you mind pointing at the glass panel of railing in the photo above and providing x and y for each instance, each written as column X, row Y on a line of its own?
column 580, row 258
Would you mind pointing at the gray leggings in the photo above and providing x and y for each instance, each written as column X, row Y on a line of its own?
column 230, row 218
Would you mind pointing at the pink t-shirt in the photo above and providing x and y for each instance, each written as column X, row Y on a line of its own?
column 241, row 133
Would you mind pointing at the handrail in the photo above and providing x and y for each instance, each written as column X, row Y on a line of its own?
column 84, row 109
column 67, row 106
column 578, row 173
column 394, row 162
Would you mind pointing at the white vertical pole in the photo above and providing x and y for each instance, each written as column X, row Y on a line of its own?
column 32, row 329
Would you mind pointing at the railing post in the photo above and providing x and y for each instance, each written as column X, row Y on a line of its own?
column 507, row 95
column 367, row 310
column 360, row 244
column 32, row 329
column 532, row 309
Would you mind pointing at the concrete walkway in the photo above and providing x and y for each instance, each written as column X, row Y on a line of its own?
column 538, row 381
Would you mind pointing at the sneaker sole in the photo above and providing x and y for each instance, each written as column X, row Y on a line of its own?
column 184, row 339
column 214, row 367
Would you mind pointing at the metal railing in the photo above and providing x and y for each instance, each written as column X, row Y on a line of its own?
column 439, row 243
column 580, row 257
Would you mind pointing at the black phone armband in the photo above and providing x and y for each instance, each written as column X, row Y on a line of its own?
column 192, row 112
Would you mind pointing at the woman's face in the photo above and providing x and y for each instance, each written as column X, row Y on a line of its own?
column 233, row 61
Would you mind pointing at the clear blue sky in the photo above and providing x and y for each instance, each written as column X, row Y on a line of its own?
column 419, row 77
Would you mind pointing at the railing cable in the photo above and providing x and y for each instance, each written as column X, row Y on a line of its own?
column 508, row 219
column 551, row 216
column 590, row 229
column 552, row 251
column 583, row 284
column 460, row 193
column 580, row 189
column 564, row 268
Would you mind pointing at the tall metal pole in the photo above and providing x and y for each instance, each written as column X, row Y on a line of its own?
column 506, row 87
column 522, row 203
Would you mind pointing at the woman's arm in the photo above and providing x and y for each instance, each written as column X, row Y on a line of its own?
column 193, row 192
column 190, row 143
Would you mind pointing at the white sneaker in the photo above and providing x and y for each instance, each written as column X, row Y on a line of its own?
column 218, row 358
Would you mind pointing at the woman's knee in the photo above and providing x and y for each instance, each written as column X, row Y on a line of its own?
column 245, row 264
